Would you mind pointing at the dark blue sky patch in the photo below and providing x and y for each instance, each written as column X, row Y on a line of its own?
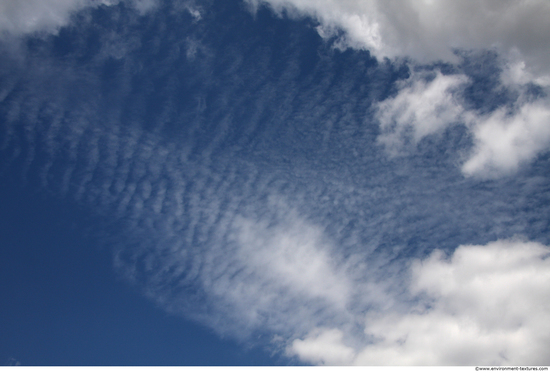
column 64, row 305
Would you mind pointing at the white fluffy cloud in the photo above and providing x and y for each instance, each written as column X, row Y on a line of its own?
column 324, row 347
column 429, row 30
column 507, row 138
column 503, row 139
column 483, row 305
column 421, row 108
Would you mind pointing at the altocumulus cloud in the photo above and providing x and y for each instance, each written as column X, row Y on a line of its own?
column 18, row 18
column 249, row 179
column 432, row 31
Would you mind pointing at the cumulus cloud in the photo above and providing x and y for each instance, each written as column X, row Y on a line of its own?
column 421, row 107
column 430, row 30
column 323, row 346
column 482, row 305
column 503, row 139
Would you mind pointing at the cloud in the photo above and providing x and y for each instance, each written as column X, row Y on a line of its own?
column 420, row 107
column 24, row 17
column 428, row 31
column 143, row 6
column 13, row 362
column 323, row 347
column 247, row 192
column 503, row 139
column 294, row 257
column 482, row 305
column 19, row 18
column 283, row 278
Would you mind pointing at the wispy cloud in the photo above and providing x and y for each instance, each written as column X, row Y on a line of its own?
column 13, row 362
column 34, row 16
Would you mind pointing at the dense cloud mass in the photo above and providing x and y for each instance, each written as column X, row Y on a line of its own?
column 480, row 306
column 326, row 203
column 429, row 31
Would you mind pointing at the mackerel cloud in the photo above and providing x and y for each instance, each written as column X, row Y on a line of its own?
column 425, row 32
column 274, row 208
column 18, row 18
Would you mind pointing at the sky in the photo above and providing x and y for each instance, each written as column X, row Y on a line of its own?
column 274, row 182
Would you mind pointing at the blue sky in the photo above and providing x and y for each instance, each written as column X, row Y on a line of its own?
column 274, row 182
